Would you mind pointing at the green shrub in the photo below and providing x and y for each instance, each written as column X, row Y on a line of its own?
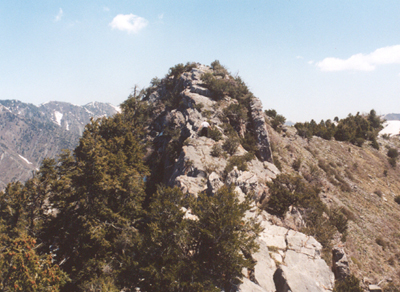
column 219, row 70
column 349, row 284
column 198, row 106
column 392, row 153
column 286, row 190
column 296, row 164
column 271, row 113
column 239, row 161
column 380, row 241
column 338, row 219
column 375, row 144
column 278, row 122
column 358, row 141
column 249, row 142
column 277, row 162
column 214, row 134
column 216, row 150
column 231, row 145
column 179, row 69
column 392, row 161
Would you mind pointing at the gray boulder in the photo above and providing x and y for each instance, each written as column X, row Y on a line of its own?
column 260, row 127
column 340, row 263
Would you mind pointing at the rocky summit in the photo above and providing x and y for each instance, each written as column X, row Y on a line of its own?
column 288, row 260
column 194, row 187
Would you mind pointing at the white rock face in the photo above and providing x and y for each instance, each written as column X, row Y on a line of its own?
column 301, row 269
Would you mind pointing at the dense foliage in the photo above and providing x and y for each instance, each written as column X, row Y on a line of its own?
column 293, row 191
column 87, row 222
column 354, row 129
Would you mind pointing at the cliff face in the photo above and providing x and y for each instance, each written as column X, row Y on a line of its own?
column 29, row 133
column 287, row 260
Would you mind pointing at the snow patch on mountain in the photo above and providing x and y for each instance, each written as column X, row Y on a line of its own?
column 117, row 108
column 58, row 116
column 391, row 128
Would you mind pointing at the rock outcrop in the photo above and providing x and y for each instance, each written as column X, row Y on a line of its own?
column 287, row 260
column 340, row 263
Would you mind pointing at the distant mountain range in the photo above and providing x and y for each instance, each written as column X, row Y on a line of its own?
column 29, row 133
column 392, row 117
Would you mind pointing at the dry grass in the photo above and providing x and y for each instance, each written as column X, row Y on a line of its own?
column 354, row 178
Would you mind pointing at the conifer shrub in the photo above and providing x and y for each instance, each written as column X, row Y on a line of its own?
column 338, row 219
column 249, row 142
column 277, row 162
column 291, row 190
column 296, row 164
column 348, row 284
column 226, row 85
column 271, row 113
column 277, row 121
column 392, row 161
column 214, row 134
column 219, row 70
column 239, row 161
column 392, row 154
column 374, row 143
column 216, row 150
column 380, row 241
column 179, row 69
column 231, row 144
column 198, row 106
column 354, row 129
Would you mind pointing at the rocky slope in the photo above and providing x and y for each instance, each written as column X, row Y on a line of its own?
column 287, row 260
column 362, row 181
column 29, row 133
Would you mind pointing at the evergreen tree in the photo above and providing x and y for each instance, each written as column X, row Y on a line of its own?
column 99, row 198
column 223, row 238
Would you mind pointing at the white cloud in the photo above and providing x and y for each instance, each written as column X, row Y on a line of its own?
column 362, row 62
column 106, row 9
column 299, row 57
column 161, row 16
column 59, row 15
column 310, row 62
column 128, row 22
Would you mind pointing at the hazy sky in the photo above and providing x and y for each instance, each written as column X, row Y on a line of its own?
column 306, row 59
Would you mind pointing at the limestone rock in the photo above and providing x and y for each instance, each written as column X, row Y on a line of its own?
column 260, row 127
column 340, row 263
column 302, row 273
column 264, row 269
column 245, row 180
column 214, row 183
column 374, row 288
column 249, row 286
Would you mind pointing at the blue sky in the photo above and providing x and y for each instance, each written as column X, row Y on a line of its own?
column 306, row 59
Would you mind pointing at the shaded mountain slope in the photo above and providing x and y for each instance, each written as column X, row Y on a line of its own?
column 29, row 133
